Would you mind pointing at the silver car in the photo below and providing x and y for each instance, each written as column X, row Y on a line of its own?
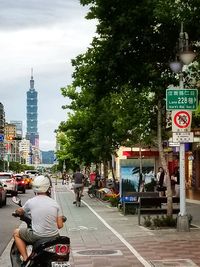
column 9, row 182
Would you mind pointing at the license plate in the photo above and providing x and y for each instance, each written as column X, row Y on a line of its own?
column 60, row 264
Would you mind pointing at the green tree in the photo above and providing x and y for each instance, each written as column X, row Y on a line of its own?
column 118, row 88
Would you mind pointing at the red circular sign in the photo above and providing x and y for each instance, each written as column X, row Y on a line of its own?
column 182, row 119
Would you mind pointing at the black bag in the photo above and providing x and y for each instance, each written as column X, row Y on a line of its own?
column 160, row 188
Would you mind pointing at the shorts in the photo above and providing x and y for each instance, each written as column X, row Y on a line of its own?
column 30, row 237
column 77, row 185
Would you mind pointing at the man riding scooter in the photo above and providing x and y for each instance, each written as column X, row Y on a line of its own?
column 45, row 214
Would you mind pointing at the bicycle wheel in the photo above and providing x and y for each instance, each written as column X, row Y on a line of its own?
column 79, row 203
column 91, row 192
column 78, row 198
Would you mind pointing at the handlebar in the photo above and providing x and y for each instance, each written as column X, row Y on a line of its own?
column 14, row 214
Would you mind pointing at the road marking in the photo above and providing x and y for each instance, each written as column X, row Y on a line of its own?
column 120, row 237
column 83, row 228
column 54, row 193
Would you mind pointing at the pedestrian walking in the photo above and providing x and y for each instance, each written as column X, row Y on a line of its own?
column 64, row 177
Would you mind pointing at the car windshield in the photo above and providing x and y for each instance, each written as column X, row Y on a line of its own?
column 5, row 176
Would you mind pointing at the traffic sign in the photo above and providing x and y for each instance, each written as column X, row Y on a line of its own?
column 173, row 144
column 183, row 137
column 1, row 137
column 177, row 99
column 181, row 120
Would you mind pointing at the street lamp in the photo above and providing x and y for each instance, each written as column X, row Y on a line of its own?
column 186, row 56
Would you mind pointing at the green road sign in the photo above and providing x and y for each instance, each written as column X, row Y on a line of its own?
column 181, row 99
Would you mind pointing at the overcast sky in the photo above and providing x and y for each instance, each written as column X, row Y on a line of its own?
column 44, row 35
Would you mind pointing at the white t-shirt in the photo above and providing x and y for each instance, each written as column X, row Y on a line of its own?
column 44, row 212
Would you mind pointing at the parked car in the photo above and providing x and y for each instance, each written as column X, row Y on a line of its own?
column 8, row 180
column 21, row 183
column 2, row 195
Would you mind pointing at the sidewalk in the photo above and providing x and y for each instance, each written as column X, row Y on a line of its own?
column 96, row 229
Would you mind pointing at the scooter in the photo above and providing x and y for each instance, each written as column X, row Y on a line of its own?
column 43, row 253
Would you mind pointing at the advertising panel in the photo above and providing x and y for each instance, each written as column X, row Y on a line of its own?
column 130, row 173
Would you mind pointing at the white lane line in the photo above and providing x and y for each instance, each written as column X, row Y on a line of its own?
column 128, row 245
column 54, row 193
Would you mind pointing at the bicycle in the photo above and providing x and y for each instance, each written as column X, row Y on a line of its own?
column 92, row 191
column 78, row 196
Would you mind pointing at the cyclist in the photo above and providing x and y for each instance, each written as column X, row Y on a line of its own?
column 46, row 217
column 79, row 180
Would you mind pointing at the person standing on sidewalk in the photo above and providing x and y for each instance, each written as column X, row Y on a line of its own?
column 79, row 180
column 160, row 182
column 177, row 182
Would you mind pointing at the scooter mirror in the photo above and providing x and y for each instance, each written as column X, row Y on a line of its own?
column 16, row 200
column 64, row 218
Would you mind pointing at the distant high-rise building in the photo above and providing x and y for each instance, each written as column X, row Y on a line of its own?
column 9, row 131
column 32, row 115
column 48, row 157
column 2, row 125
column 19, row 132
column 11, row 145
column 24, row 148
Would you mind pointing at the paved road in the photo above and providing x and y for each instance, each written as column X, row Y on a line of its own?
column 7, row 222
column 96, row 229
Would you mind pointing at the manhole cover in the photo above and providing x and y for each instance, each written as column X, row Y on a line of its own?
column 97, row 252
column 173, row 263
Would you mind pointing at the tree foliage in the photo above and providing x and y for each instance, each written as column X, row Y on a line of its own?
column 120, row 81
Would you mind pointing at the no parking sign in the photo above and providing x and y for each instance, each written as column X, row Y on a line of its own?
column 181, row 120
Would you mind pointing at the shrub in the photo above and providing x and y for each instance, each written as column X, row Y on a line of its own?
column 114, row 200
column 147, row 221
column 160, row 221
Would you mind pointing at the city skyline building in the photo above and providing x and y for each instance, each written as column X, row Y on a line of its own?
column 2, row 125
column 19, row 127
column 32, row 114
column 24, row 149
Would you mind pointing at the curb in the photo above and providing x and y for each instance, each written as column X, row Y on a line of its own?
column 5, row 256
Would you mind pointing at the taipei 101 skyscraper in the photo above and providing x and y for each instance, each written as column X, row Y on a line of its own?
column 32, row 114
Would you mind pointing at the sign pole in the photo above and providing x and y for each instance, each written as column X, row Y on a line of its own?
column 182, row 220
column 182, row 180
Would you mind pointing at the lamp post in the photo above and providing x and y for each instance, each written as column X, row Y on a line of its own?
column 186, row 56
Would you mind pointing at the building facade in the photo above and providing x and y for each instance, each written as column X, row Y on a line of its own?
column 19, row 127
column 24, row 149
column 48, row 157
column 32, row 114
column 2, row 125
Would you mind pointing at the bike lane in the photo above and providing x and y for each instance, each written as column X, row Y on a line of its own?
column 94, row 236
column 98, row 226
column 95, row 228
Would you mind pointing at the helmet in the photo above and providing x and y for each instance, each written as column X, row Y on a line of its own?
column 41, row 184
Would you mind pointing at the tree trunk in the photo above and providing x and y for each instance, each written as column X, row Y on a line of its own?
column 163, row 160
column 105, row 169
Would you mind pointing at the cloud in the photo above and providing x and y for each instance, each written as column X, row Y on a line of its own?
column 47, row 144
column 34, row 13
column 43, row 35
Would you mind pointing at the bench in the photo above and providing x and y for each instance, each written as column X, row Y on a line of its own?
column 133, row 197
column 149, row 205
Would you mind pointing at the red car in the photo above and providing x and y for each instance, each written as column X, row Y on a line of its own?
column 2, row 195
column 21, row 183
